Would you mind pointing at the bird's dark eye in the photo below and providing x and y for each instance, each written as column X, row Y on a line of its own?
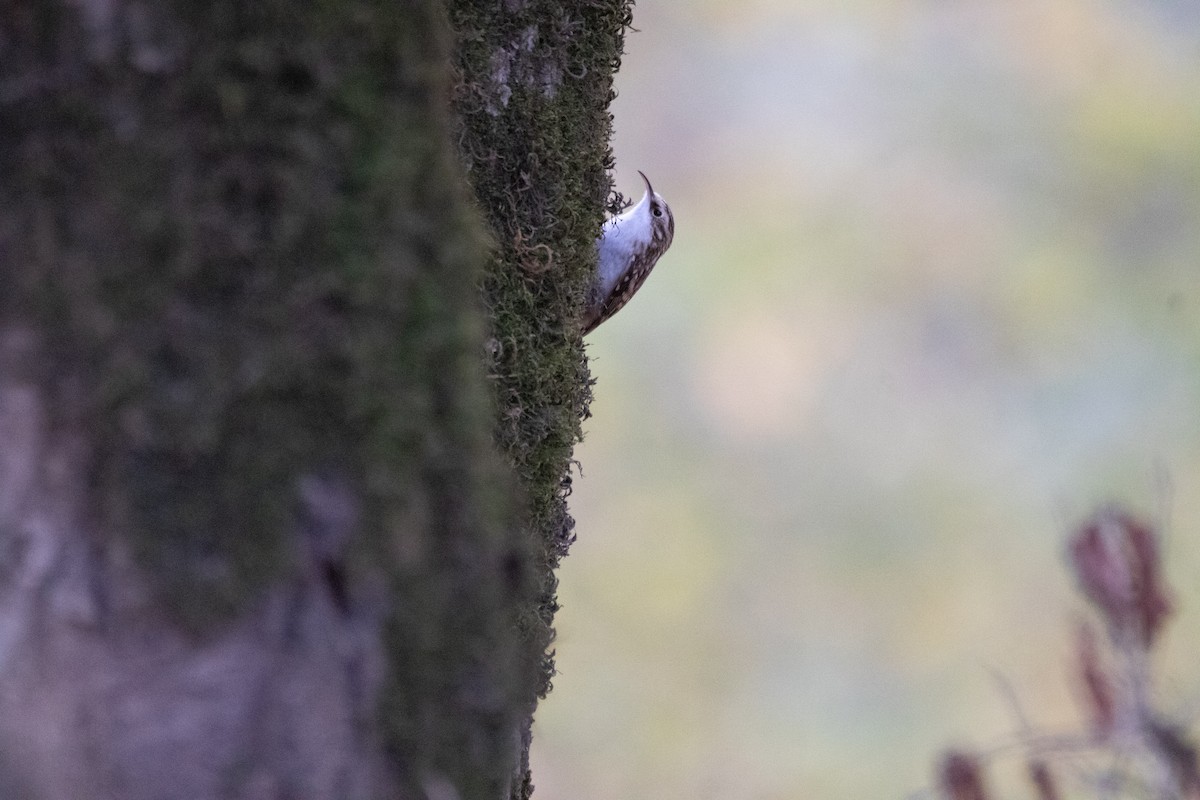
column 657, row 211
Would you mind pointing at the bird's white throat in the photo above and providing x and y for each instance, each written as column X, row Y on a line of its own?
column 621, row 237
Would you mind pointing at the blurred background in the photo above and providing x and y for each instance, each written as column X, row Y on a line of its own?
column 934, row 294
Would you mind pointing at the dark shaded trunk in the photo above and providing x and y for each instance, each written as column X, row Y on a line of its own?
column 255, row 537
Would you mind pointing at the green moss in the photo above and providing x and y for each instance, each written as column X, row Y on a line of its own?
column 260, row 261
column 252, row 257
column 534, row 85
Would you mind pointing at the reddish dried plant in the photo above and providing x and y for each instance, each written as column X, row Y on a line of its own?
column 960, row 776
column 1118, row 567
column 1098, row 691
column 1043, row 780
column 1129, row 741
column 1179, row 754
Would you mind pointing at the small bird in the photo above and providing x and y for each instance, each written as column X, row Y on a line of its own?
column 628, row 248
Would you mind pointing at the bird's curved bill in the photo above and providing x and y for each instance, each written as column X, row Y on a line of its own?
column 649, row 188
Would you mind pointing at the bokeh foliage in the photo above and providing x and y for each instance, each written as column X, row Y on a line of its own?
column 932, row 298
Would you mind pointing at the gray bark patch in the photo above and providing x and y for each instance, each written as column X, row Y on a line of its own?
column 102, row 696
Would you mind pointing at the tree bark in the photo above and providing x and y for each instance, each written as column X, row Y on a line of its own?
column 256, row 540
column 534, row 83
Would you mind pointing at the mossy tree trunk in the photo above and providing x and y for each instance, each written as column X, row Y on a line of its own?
column 255, row 537
column 534, row 83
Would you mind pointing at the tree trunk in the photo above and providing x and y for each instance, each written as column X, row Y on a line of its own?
column 535, row 79
column 255, row 537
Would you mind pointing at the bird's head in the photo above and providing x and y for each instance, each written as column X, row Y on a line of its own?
column 657, row 215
